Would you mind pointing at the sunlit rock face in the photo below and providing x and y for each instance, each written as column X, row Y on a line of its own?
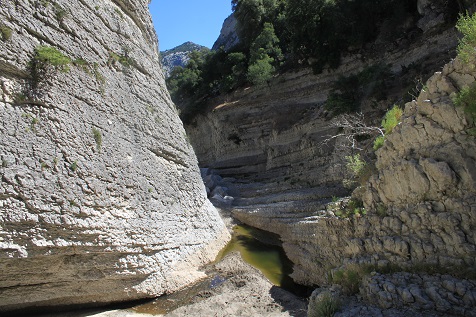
column 101, row 198
column 420, row 201
column 228, row 35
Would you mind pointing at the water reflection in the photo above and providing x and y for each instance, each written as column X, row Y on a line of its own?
column 269, row 257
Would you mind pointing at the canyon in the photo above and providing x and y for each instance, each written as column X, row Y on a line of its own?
column 102, row 199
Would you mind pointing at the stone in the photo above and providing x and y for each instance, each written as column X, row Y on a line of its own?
column 221, row 200
column 100, row 202
column 384, row 300
column 229, row 198
column 422, row 6
column 407, row 296
column 219, row 190
column 204, row 172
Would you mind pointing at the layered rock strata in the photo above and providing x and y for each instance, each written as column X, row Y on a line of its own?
column 421, row 203
column 101, row 198
column 422, row 292
column 276, row 132
column 400, row 295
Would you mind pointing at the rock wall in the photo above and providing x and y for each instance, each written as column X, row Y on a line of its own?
column 421, row 207
column 101, row 198
column 276, row 131
column 228, row 37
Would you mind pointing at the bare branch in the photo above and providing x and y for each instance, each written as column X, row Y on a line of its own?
column 352, row 126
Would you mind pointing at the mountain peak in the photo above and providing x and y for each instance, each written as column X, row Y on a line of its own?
column 178, row 56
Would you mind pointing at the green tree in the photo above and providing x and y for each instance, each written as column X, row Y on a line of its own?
column 184, row 82
column 238, row 63
column 266, row 42
column 249, row 15
column 261, row 70
column 467, row 45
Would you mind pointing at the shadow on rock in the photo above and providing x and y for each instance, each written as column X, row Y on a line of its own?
column 294, row 305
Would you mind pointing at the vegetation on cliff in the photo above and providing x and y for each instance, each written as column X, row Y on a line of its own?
column 278, row 35
column 466, row 98
column 467, row 46
column 178, row 56
column 390, row 121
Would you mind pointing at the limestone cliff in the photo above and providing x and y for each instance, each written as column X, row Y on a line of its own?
column 420, row 205
column 178, row 56
column 100, row 196
column 275, row 132
column 228, row 37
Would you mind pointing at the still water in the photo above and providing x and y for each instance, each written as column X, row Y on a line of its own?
column 268, row 257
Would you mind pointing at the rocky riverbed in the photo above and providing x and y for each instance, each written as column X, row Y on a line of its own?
column 232, row 288
column 245, row 292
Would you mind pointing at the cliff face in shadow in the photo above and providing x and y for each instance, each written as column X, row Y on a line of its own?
column 100, row 195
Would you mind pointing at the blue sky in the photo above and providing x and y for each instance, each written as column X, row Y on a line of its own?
column 179, row 21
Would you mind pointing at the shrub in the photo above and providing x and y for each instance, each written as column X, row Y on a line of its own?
column 33, row 121
column 98, row 138
column 349, row 279
column 46, row 61
column 60, row 12
column 359, row 171
column 83, row 64
column 325, row 305
column 378, row 143
column 392, row 119
column 467, row 26
column 355, row 164
column 261, row 71
column 119, row 13
column 74, row 166
column 50, row 55
column 5, row 32
column 99, row 78
column 46, row 56
column 466, row 99
column 353, row 208
column 123, row 59
column 381, row 210
column 44, row 165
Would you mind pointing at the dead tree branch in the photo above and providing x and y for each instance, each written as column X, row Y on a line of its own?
column 352, row 126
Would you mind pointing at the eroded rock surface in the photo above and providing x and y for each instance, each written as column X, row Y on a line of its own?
column 243, row 292
column 420, row 205
column 101, row 198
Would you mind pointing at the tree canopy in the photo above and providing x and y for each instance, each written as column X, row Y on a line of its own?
column 282, row 34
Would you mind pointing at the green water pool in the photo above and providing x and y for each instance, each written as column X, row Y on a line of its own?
column 269, row 258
